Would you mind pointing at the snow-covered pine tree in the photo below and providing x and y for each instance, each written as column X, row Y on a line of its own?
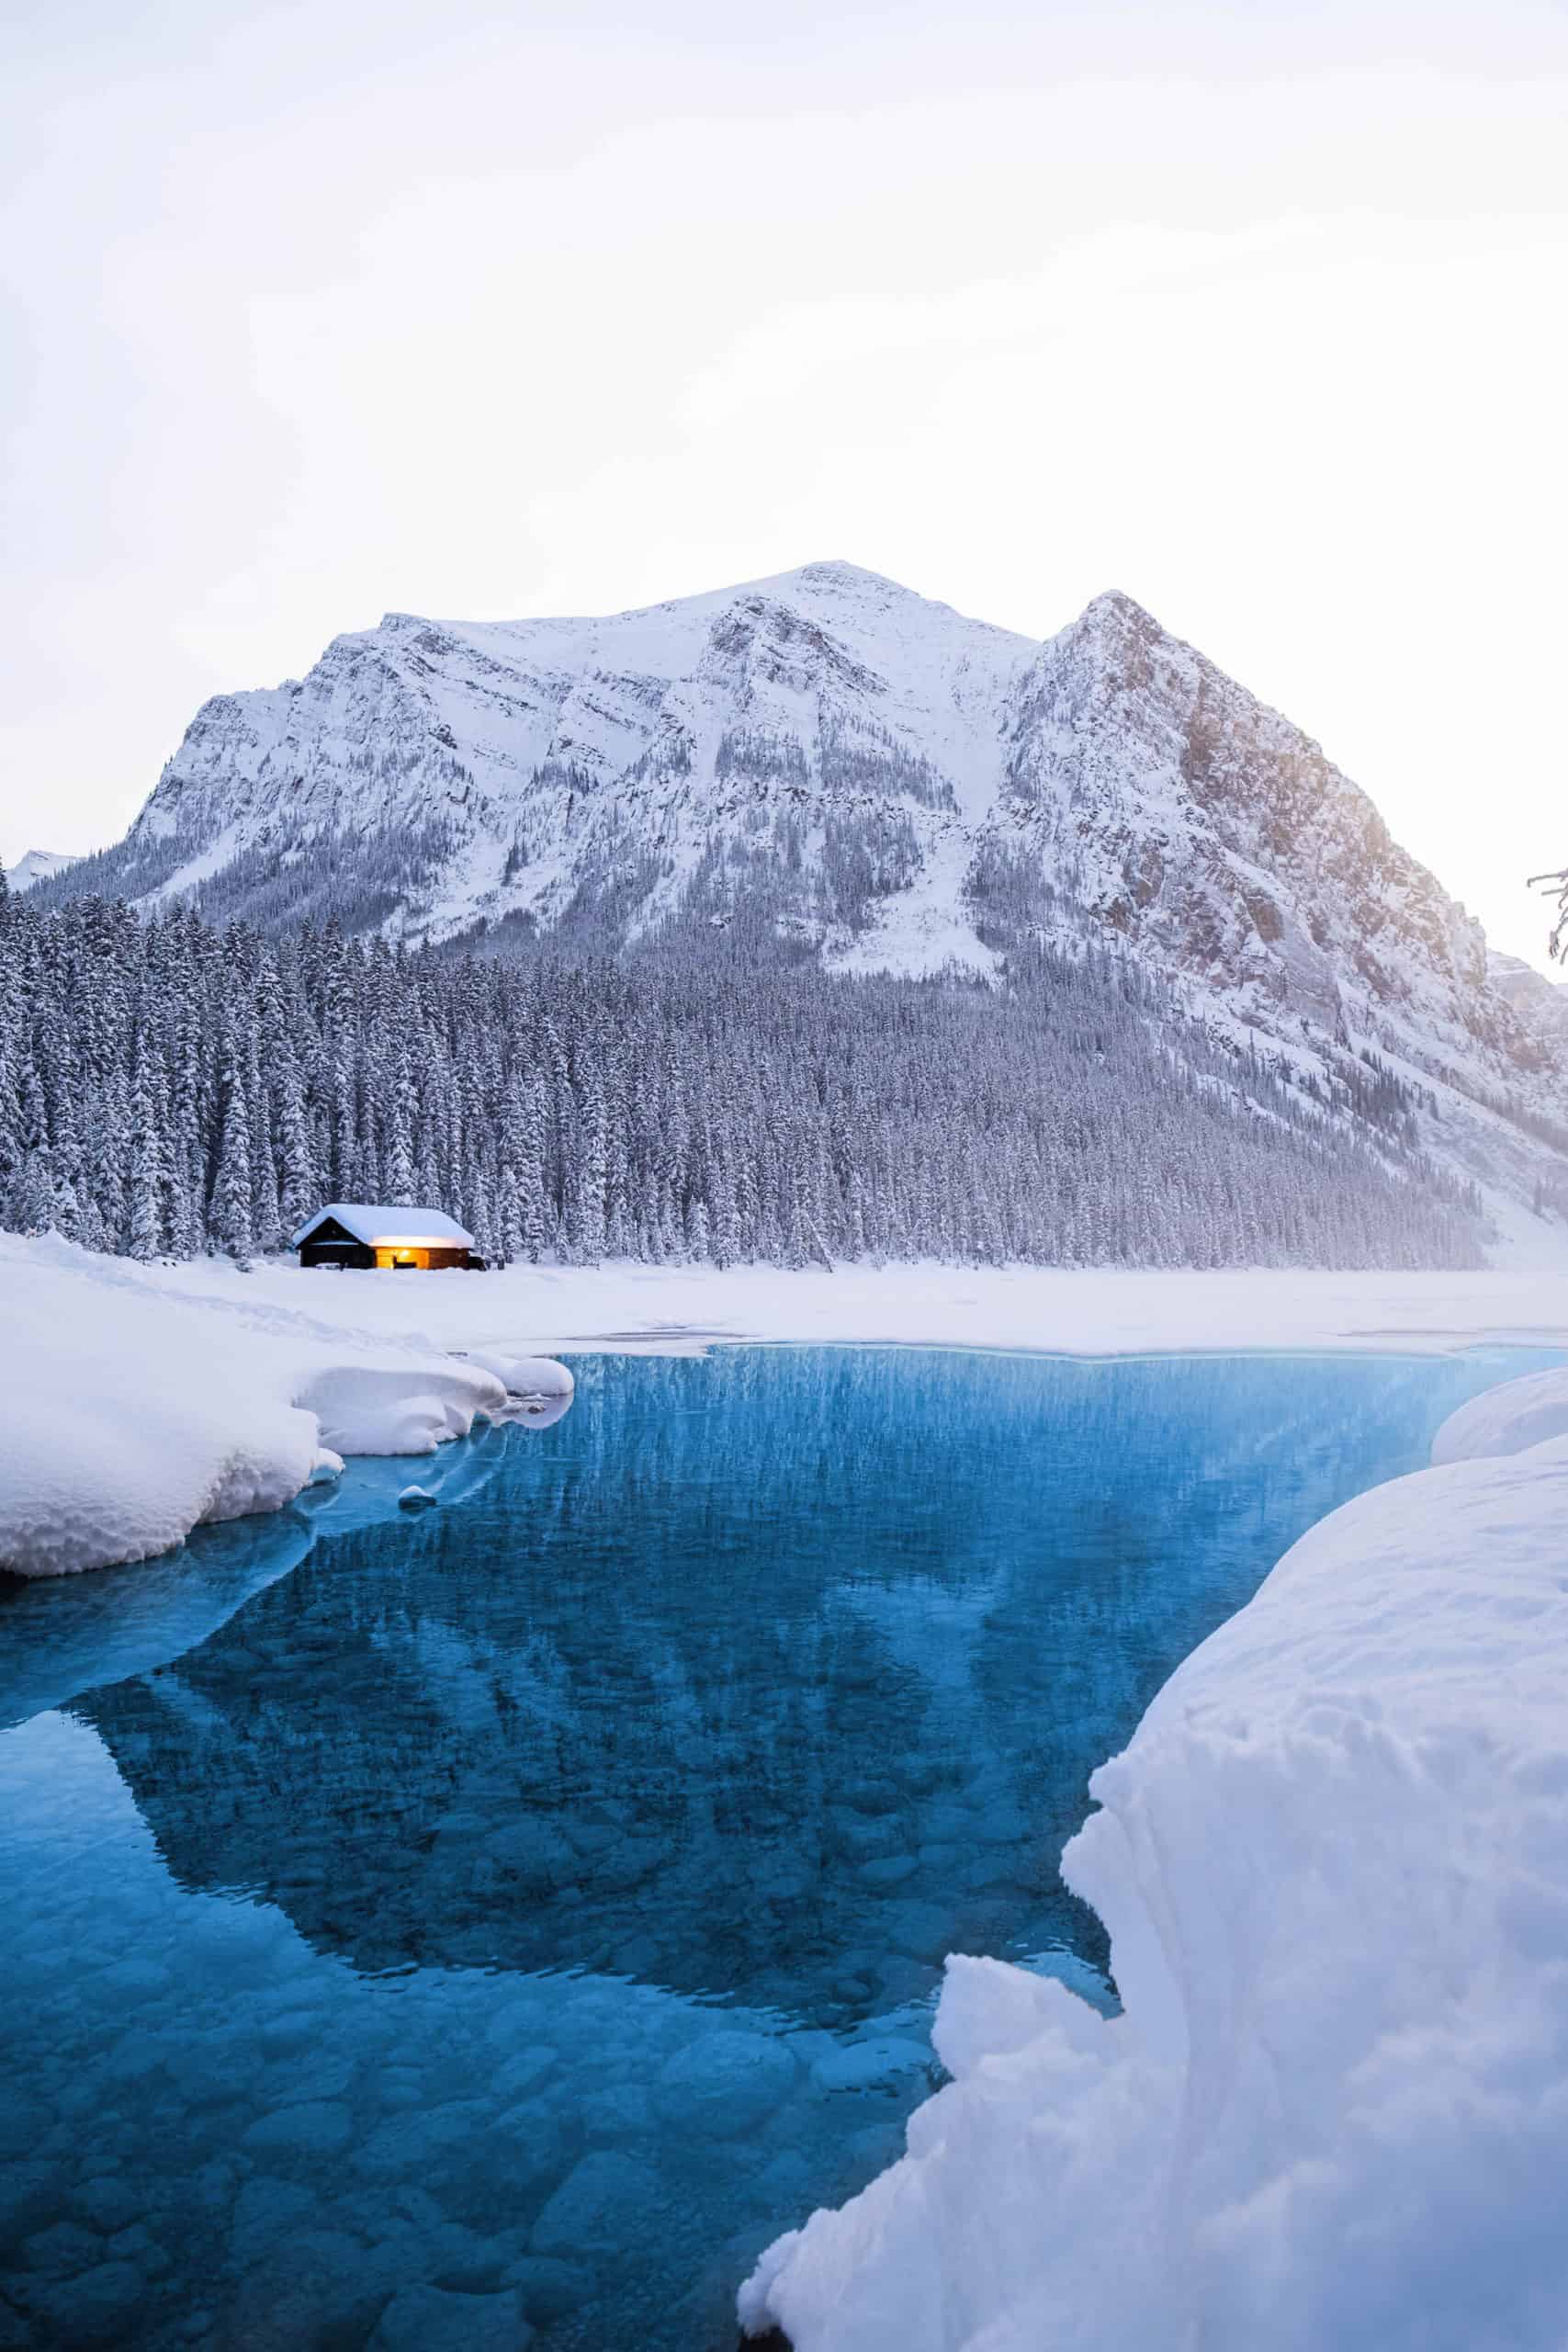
column 147, row 1219
column 232, row 1208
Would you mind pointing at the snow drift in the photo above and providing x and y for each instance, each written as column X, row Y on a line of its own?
column 1507, row 1420
column 133, row 1415
column 1333, row 1865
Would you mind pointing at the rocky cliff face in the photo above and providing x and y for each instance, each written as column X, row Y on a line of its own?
column 1209, row 831
column 862, row 774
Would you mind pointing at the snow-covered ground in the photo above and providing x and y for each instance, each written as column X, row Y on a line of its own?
column 1332, row 1859
column 1106, row 1311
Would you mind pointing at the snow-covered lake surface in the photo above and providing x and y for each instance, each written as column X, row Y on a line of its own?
column 425, row 1927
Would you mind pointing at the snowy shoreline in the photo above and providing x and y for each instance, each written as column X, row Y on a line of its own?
column 1333, row 1860
column 133, row 1416
column 147, row 1400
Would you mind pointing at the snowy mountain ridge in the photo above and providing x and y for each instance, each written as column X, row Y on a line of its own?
column 861, row 775
column 37, row 865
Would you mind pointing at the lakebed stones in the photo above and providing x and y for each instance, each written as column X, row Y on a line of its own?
column 29, row 2198
column 436, row 2318
column 875, row 2063
column 888, row 1869
column 408, row 2143
column 727, row 2082
column 312, row 2286
column 534, row 1854
column 95, row 2307
column 265, row 2209
column 63, row 2250
column 314, row 2127
column 109, row 2202
column 524, row 2069
column 529, row 2147
column 136, row 1979
column 549, row 2289
column 624, row 2113
column 604, row 2206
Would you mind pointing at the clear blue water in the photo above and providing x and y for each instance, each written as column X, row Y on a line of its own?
column 540, row 1898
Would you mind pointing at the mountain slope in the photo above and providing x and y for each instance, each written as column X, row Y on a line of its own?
column 856, row 773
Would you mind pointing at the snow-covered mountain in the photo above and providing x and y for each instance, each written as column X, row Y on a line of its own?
column 37, row 865
column 1542, row 1004
column 857, row 773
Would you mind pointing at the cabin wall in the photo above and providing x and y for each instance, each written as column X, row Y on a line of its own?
column 399, row 1261
column 331, row 1245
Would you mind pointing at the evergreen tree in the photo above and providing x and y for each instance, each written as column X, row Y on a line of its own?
column 230, row 1216
column 150, row 1173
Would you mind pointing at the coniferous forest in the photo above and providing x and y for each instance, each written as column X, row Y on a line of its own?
column 168, row 1088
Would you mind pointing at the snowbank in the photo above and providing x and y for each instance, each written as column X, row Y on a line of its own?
column 1506, row 1419
column 133, row 1414
column 542, row 1389
column 1334, row 1865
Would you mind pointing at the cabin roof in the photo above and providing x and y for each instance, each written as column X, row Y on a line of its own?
column 384, row 1228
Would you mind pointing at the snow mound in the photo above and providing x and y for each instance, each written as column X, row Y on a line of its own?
column 132, row 1415
column 1508, row 1420
column 1333, row 1865
column 394, row 1408
column 544, row 1388
column 526, row 1375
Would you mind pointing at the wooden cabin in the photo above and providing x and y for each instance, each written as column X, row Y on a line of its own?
column 399, row 1241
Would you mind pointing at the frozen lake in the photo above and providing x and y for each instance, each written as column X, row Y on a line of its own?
column 537, row 1899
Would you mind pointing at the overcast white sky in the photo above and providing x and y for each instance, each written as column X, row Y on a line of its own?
column 1256, row 311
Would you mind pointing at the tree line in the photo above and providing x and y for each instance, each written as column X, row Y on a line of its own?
column 169, row 1088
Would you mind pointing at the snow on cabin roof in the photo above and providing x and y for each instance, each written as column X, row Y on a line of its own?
column 381, row 1228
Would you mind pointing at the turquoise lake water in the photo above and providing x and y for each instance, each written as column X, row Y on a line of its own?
column 494, row 1924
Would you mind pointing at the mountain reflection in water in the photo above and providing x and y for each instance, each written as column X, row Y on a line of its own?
column 760, row 1662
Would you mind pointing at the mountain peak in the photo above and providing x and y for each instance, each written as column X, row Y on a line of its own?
column 833, row 572
column 1115, row 607
column 832, row 576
